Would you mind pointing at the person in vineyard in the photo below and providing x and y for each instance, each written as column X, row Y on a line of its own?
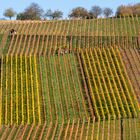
column 12, row 31
column 63, row 50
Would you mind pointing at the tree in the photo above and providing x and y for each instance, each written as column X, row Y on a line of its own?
column 22, row 16
column 57, row 14
column 79, row 12
column 124, row 11
column 136, row 9
column 95, row 11
column 48, row 14
column 33, row 12
column 128, row 10
column 107, row 12
column 9, row 13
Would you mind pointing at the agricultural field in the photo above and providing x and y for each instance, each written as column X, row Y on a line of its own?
column 70, row 79
column 48, row 37
column 98, row 27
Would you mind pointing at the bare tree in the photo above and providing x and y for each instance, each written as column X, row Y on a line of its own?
column 128, row 10
column 124, row 11
column 107, row 12
column 33, row 12
column 9, row 13
column 136, row 9
column 79, row 12
column 96, row 11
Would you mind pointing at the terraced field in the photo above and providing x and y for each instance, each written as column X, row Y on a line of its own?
column 131, row 58
column 106, row 27
column 47, row 45
column 70, row 79
column 75, row 130
column 50, row 36
column 108, row 83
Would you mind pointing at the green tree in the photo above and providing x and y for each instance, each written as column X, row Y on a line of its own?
column 57, row 14
column 9, row 13
column 48, row 14
column 22, row 16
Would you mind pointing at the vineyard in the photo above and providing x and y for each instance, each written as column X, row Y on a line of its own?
column 70, row 79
